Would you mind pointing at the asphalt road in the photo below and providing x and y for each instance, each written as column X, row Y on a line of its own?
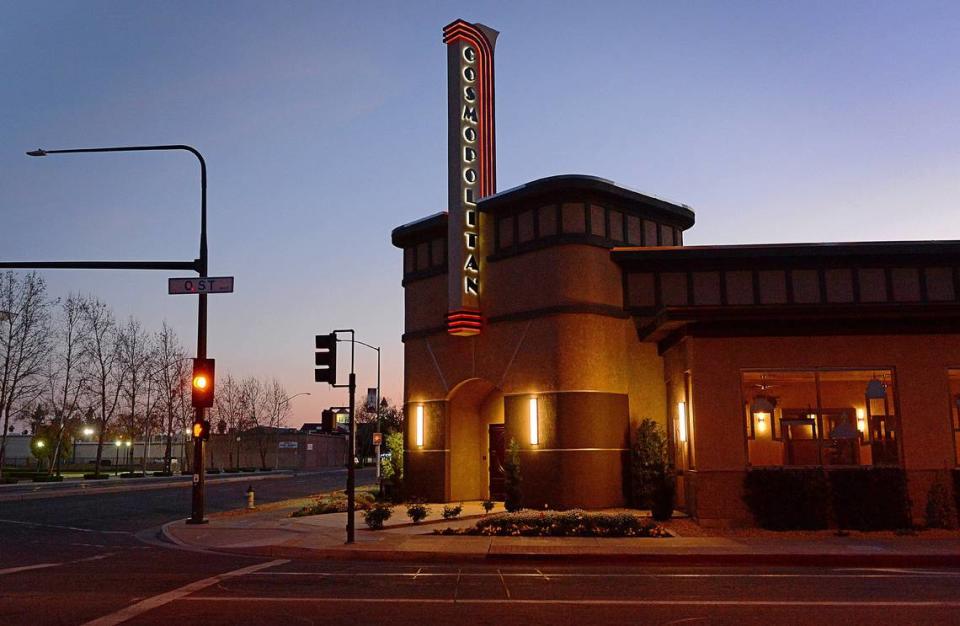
column 96, row 558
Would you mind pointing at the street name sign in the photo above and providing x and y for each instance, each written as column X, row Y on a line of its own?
column 204, row 284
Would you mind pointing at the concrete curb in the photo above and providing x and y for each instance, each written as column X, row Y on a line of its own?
column 515, row 558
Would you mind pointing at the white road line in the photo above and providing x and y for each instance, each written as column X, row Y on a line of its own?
column 504, row 583
column 679, row 602
column 165, row 598
column 27, row 568
column 550, row 576
column 74, row 528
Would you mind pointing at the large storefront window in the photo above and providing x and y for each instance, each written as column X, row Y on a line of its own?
column 954, row 375
column 821, row 417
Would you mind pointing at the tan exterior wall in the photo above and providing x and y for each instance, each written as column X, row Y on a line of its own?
column 920, row 363
column 561, row 336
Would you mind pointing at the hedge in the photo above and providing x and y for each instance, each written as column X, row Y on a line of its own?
column 787, row 499
column 864, row 498
column 872, row 498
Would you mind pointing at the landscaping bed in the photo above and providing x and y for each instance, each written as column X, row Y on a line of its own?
column 336, row 502
column 574, row 523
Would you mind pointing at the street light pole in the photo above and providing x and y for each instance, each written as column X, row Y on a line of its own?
column 277, row 412
column 199, row 265
column 379, row 425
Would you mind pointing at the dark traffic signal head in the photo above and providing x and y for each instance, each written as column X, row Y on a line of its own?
column 203, row 383
column 326, row 359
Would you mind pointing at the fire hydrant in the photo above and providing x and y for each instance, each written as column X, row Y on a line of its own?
column 250, row 494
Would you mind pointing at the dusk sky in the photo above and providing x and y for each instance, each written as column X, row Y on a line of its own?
column 324, row 127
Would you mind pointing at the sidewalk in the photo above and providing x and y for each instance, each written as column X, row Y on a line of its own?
column 274, row 534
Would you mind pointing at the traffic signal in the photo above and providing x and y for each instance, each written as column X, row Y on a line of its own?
column 201, row 430
column 203, row 379
column 326, row 359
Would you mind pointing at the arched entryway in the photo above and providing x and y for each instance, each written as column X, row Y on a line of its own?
column 475, row 409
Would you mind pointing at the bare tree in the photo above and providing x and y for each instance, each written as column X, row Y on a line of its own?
column 134, row 348
column 259, row 414
column 230, row 408
column 65, row 368
column 25, row 322
column 171, row 379
column 105, row 373
column 279, row 402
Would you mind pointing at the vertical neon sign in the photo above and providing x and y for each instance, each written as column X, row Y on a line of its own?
column 471, row 159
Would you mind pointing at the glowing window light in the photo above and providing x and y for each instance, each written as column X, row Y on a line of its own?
column 420, row 425
column 534, row 423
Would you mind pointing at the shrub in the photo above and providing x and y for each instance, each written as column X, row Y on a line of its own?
column 248, row 469
column 131, row 475
column 487, row 506
column 513, row 500
column 376, row 516
column 213, row 471
column 452, row 512
column 785, row 499
column 647, row 462
column 417, row 511
column 938, row 506
column 575, row 523
column 870, row 498
column 161, row 474
column 96, row 476
column 336, row 502
column 45, row 478
column 392, row 467
column 232, row 470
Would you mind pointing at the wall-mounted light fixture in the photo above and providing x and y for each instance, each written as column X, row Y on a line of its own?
column 682, row 421
column 761, row 408
column 534, row 422
column 861, row 421
column 419, row 426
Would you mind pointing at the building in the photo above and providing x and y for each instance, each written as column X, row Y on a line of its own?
column 561, row 313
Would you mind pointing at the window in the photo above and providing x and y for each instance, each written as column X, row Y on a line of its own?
column 821, row 417
column 954, row 376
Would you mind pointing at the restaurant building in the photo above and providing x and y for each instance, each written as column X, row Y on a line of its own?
column 561, row 313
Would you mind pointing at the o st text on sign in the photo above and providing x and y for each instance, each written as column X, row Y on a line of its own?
column 203, row 284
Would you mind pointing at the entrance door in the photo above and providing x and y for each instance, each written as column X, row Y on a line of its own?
column 497, row 456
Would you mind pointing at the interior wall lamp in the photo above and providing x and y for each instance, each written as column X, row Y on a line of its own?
column 534, row 422
column 419, row 433
column 762, row 409
column 682, row 421
column 861, row 421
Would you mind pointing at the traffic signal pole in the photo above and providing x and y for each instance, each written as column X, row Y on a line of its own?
column 198, row 500
column 351, row 464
